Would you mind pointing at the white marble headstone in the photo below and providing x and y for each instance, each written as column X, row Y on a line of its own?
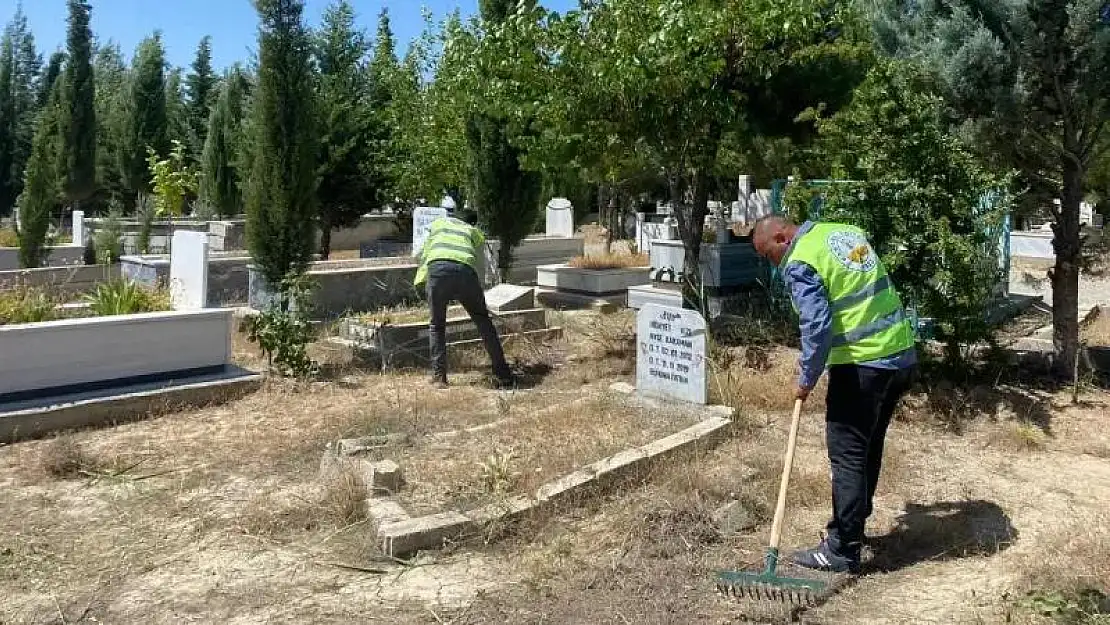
column 509, row 297
column 422, row 219
column 79, row 228
column 671, row 356
column 560, row 218
column 189, row 270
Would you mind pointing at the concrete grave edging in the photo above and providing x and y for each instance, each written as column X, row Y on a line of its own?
column 397, row 538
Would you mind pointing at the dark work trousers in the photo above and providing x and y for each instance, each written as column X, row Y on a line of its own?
column 450, row 281
column 860, row 403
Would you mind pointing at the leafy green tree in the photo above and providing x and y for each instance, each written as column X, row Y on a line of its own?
column 201, row 87
column 40, row 191
column 219, row 186
column 77, row 116
column 506, row 196
column 111, row 94
column 1027, row 81
column 173, row 180
column 348, row 185
column 146, row 123
column 281, row 189
column 933, row 212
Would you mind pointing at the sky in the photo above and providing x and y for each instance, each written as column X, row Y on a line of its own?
column 231, row 23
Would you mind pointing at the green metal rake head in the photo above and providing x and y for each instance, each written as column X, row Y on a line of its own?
column 766, row 586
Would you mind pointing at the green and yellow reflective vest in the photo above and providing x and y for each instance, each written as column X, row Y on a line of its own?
column 450, row 239
column 868, row 321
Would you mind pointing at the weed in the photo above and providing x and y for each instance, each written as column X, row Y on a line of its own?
column 124, row 297
column 344, row 499
column 498, row 474
column 1088, row 606
column 283, row 331
column 1022, row 437
column 65, row 458
column 26, row 305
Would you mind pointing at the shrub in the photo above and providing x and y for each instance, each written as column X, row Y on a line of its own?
column 124, row 297
column 107, row 246
column 26, row 305
column 283, row 331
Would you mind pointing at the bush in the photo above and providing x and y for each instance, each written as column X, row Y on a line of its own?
column 124, row 297
column 283, row 331
column 933, row 213
column 609, row 261
column 107, row 245
column 26, row 305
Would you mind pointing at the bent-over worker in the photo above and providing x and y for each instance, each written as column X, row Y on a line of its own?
column 852, row 322
column 450, row 262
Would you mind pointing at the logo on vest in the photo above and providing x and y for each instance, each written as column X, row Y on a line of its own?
column 853, row 251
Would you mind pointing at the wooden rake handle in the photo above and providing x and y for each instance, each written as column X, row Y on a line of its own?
column 787, row 467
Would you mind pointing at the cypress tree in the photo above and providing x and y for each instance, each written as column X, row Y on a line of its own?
column 53, row 70
column 200, row 87
column 346, row 188
column 145, row 117
column 281, row 191
column 26, row 65
column 219, row 185
column 40, row 197
column 505, row 195
column 111, row 119
column 77, row 115
column 7, row 123
column 178, row 125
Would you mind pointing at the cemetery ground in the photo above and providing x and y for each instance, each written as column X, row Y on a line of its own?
column 992, row 489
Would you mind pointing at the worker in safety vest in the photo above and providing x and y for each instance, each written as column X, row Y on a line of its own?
column 852, row 322
column 450, row 262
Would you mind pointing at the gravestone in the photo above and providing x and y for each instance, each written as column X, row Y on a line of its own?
column 422, row 219
column 15, row 217
column 560, row 218
column 510, row 297
column 79, row 228
column 671, row 355
column 189, row 270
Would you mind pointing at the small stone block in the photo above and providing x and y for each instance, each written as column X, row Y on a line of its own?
column 505, row 298
column 386, row 476
column 622, row 387
column 386, row 511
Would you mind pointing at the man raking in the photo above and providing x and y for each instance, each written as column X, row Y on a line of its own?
column 852, row 322
column 451, row 262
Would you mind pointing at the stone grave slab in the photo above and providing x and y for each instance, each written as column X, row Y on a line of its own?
column 671, row 354
column 422, row 219
column 510, row 297
column 79, row 228
column 189, row 270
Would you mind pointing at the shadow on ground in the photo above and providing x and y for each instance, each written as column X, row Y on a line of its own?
column 943, row 531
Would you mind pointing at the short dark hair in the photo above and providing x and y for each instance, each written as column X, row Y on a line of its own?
column 469, row 217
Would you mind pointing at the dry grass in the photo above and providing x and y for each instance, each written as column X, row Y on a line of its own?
column 27, row 305
column 609, row 261
column 65, row 458
column 757, row 378
column 407, row 314
column 339, row 503
column 1069, row 576
column 8, row 238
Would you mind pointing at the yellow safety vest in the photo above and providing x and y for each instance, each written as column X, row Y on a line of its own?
column 868, row 321
column 450, row 239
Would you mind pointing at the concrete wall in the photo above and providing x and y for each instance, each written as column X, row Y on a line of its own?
column 57, row 256
column 39, row 356
column 62, row 280
column 347, row 286
column 228, row 278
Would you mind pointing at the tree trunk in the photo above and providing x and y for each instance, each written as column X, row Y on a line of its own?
column 690, row 213
column 1065, row 275
column 325, row 241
